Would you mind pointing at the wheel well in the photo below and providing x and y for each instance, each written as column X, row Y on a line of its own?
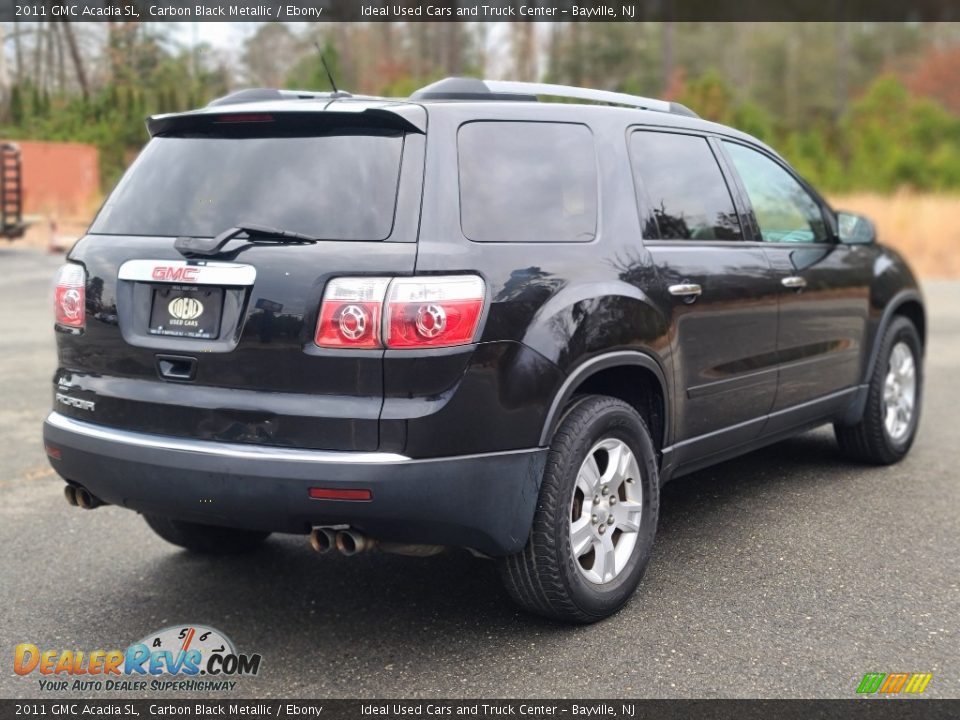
column 636, row 386
column 913, row 311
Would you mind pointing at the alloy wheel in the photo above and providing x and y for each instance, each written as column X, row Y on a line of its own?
column 606, row 510
column 899, row 391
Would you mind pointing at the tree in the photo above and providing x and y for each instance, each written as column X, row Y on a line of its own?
column 76, row 58
column 269, row 54
column 936, row 77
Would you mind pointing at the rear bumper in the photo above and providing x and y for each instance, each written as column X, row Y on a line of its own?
column 485, row 502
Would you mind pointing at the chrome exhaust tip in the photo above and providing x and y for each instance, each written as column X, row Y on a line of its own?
column 86, row 499
column 323, row 539
column 350, row 542
column 70, row 493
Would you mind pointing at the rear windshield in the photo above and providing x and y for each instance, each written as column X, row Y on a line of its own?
column 332, row 186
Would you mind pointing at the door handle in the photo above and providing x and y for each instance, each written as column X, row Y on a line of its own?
column 686, row 290
column 794, row 281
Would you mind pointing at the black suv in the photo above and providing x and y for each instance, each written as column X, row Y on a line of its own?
column 464, row 319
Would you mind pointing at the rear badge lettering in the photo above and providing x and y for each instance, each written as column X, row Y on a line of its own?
column 175, row 274
column 75, row 402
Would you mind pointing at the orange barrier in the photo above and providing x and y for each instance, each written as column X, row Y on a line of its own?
column 59, row 178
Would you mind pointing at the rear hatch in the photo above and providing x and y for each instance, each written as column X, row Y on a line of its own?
column 220, row 346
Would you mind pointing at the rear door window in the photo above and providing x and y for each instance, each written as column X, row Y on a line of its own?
column 337, row 186
column 684, row 186
column 527, row 182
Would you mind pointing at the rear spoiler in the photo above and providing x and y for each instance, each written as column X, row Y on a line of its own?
column 400, row 116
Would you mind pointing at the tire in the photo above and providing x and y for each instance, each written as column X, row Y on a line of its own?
column 206, row 539
column 870, row 440
column 547, row 577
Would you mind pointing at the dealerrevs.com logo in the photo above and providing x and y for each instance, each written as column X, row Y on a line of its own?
column 178, row 658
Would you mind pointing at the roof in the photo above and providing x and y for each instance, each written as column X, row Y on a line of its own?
column 411, row 112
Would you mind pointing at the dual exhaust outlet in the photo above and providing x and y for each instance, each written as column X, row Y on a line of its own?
column 351, row 542
column 348, row 542
column 79, row 496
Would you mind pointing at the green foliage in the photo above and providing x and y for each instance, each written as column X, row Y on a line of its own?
column 886, row 139
column 710, row 97
column 895, row 139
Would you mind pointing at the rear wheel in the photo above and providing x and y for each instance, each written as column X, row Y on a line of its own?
column 206, row 539
column 596, row 516
column 889, row 424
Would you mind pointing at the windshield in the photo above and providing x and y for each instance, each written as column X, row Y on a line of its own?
column 332, row 186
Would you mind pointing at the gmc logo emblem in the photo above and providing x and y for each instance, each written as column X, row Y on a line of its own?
column 175, row 274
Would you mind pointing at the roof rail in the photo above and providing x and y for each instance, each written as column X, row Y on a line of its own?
column 260, row 94
column 474, row 89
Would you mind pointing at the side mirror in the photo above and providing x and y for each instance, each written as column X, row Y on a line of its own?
column 855, row 229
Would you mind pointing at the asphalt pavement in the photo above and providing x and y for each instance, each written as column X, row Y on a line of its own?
column 789, row 572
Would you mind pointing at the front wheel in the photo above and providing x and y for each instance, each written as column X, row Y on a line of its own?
column 205, row 539
column 889, row 424
column 596, row 516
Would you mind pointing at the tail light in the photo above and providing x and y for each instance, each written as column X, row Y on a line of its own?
column 416, row 312
column 433, row 311
column 69, row 299
column 350, row 315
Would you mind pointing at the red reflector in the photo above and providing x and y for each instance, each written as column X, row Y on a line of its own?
column 245, row 118
column 52, row 451
column 334, row 494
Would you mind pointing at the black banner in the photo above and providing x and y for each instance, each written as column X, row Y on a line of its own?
column 856, row 709
column 477, row 10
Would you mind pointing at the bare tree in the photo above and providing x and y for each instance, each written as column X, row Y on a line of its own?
column 76, row 58
column 37, row 53
column 4, row 75
column 61, row 66
column 50, row 49
column 524, row 41
column 269, row 54
column 666, row 56
column 18, row 52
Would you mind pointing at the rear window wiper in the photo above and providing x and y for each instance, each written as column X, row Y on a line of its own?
column 256, row 233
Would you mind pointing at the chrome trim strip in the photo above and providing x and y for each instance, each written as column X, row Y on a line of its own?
column 231, row 450
column 201, row 272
